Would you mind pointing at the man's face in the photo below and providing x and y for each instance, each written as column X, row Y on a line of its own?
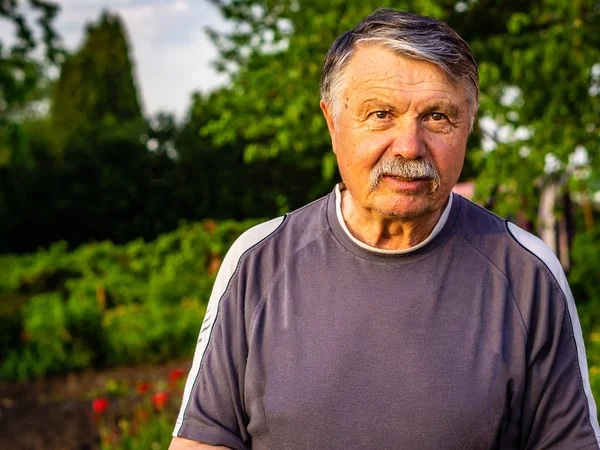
column 394, row 109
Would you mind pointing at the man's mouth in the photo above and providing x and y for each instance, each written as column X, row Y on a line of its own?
column 399, row 178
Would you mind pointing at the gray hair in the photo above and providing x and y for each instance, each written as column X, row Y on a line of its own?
column 406, row 34
column 411, row 169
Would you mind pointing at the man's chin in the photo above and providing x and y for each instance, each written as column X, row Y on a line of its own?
column 404, row 214
column 408, row 207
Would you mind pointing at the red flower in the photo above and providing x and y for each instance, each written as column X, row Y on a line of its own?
column 159, row 399
column 99, row 405
column 142, row 388
column 176, row 374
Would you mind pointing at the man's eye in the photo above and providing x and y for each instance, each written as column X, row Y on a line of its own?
column 382, row 114
column 436, row 116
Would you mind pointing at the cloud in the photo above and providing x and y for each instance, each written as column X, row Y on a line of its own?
column 181, row 5
column 171, row 71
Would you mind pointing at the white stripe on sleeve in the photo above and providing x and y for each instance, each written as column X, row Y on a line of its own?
column 247, row 240
column 536, row 246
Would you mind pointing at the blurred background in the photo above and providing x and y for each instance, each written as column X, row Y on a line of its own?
column 139, row 138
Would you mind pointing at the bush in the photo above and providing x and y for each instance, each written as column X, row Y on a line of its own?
column 584, row 279
column 150, row 333
column 104, row 304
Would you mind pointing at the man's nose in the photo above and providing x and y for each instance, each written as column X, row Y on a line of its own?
column 408, row 140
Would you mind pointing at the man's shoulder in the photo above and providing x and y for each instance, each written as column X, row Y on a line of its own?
column 506, row 245
column 279, row 237
column 299, row 225
column 476, row 221
column 255, row 236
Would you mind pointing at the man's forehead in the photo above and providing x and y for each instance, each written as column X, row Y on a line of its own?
column 376, row 71
column 378, row 62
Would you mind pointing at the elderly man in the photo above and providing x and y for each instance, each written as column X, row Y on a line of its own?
column 391, row 314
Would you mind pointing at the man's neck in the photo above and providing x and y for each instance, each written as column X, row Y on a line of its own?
column 384, row 232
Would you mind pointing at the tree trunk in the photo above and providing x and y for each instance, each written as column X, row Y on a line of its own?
column 547, row 220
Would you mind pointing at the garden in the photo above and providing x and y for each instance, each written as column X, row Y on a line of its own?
column 105, row 330
column 114, row 219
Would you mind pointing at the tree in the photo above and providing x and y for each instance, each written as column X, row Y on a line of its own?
column 539, row 66
column 96, row 87
column 24, row 77
column 540, row 74
column 216, row 181
column 102, row 186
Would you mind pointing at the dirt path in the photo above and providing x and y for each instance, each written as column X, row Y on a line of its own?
column 55, row 414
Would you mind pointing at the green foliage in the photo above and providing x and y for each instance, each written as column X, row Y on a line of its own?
column 224, row 183
column 153, row 433
column 104, row 304
column 126, row 181
column 584, row 279
column 96, row 86
column 107, row 186
column 24, row 76
column 152, row 333
column 592, row 346
column 537, row 83
column 83, row 173
column 11, row 321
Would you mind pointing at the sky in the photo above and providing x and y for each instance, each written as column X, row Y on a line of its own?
column 170, row 50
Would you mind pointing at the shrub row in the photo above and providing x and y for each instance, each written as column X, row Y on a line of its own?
column 102, row 304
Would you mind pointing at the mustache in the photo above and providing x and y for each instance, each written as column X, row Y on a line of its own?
column 411, row 169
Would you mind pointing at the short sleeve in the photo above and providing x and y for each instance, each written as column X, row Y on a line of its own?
column 557, row 413
column 558, row 409
column 212, row 409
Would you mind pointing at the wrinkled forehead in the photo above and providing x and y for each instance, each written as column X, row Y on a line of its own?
column 373, row 64
column 391, row 77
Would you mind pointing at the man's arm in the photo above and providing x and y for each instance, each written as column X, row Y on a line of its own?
column 558, row 408
column 213, row 409
column 185, row 444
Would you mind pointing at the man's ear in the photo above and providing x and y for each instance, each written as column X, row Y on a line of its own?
column 330, row 122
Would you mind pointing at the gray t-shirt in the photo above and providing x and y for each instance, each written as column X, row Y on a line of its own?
column 312, row 341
